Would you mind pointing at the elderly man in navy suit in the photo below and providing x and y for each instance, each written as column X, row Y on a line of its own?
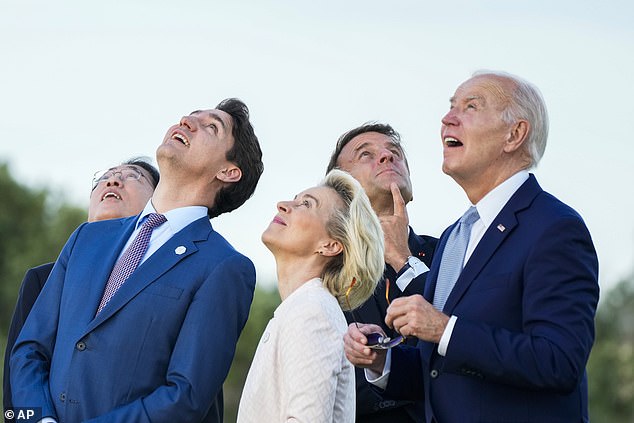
column 139, row 319
column 506, row 323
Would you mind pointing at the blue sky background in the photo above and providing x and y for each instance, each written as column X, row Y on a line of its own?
column 86, row 84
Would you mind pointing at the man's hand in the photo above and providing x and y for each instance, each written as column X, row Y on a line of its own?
column 356, row 350
column 414, row 316
column 395, row 231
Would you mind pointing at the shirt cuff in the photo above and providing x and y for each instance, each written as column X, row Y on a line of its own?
column 446, row 336
column 380, row 381
column 415, row 268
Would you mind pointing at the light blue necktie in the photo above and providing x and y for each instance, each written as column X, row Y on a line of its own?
column 453, row 257
column 130, row 258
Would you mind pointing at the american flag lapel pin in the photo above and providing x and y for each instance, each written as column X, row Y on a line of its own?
column 501, row 227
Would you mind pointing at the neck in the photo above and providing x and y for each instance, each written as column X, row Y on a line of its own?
column 293, row 273
column 169, row 196
column 477, row 188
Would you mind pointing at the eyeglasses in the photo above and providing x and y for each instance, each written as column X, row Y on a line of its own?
column 376, row 340
column 128, row 173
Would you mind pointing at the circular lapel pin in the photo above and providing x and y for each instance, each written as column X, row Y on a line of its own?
column 180, row 250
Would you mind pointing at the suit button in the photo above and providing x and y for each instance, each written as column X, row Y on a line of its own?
column 434, row 373
column 62, row 397
column 81, row 345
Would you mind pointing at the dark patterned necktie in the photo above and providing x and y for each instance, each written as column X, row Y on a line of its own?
column 130, row 258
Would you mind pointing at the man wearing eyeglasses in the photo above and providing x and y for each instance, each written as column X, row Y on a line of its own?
column 120, row 191
column 139, row 319
column 372, row 154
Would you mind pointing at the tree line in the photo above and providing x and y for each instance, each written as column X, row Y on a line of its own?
column 36, row 222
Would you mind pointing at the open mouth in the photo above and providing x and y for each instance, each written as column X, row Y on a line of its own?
column 452, row 142
column 110, row 195
column 180, row 137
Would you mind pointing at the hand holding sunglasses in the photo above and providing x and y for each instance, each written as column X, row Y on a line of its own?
column 377, row 340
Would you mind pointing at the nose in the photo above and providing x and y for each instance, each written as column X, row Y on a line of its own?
column 386, row 156
column 450, row 118
column 114, row 180
column 283, row 206
column 190, row 122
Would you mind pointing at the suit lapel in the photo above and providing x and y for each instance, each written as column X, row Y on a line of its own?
column 501, row 227
column 109, row 244
column 166, row 257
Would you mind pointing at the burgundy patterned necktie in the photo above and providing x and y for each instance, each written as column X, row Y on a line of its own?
column 130, row 258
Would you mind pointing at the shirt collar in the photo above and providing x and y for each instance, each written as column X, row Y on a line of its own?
column 492, row 203
column 177, row 218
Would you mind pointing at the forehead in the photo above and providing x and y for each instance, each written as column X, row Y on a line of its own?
column 220, row 116
column 488, row 88
column 369, row 140
column 126, row 167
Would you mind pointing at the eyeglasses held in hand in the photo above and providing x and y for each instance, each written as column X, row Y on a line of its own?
column 376, row 340
column 128, row 173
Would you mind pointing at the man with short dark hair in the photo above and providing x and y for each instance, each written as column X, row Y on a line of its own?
column 372, row 154
column 140, row 317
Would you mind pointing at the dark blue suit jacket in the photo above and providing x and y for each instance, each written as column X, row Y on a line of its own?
column 160, row 349
column 371, row 405
column 31, row 287
column 525, row 303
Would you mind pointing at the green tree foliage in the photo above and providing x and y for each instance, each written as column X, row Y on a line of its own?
column 265, row 301
column 33, row 229
column 611, row 364
column 34, row 225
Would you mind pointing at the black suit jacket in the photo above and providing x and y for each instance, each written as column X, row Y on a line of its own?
column 31, row 287
column 372, row 406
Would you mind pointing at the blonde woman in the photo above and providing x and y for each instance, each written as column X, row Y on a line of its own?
column 328, row 247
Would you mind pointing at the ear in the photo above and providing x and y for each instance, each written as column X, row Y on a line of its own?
column 517, row 136
column 330, row 248
column 229, row 174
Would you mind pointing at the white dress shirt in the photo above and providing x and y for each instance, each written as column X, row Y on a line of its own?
column 488, row 208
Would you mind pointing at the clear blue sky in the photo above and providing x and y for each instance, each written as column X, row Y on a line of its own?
column 87, row 84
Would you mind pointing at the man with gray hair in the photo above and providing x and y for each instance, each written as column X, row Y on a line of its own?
column 506, row 322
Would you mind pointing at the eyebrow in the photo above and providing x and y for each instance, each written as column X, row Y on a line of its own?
column 452, row 99
column 365, row 144
column 214, row 116
column 362, row 146
column 312, row 197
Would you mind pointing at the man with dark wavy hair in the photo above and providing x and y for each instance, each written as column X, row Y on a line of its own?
column 140, row 317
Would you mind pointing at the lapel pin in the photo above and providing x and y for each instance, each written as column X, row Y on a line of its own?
column 501, row 228
column 180, row 250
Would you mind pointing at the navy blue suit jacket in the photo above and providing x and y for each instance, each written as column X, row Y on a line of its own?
column 525, row 303
column 31, row 287
column 160, row 349
column 371, row 405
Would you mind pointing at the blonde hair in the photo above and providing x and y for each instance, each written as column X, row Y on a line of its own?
column 357, row 228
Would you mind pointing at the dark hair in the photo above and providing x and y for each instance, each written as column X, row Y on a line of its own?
column 381, row 128
column 245, row 153
column 144, row 162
